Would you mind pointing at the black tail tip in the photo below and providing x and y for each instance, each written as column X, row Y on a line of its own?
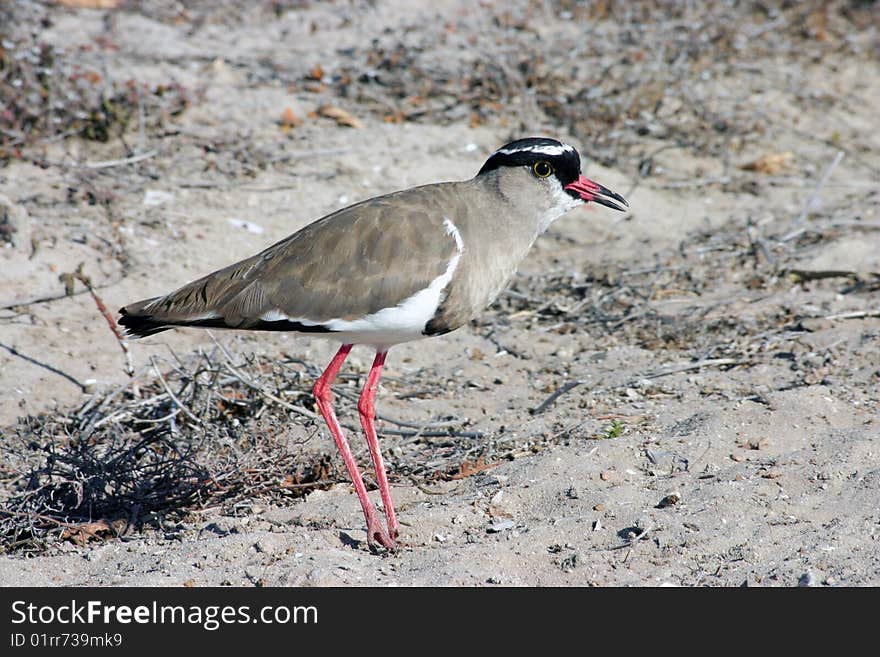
column 140, row 326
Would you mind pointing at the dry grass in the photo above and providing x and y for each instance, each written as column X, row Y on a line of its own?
column 197, row 435
column 625, row 77
column 50, row 95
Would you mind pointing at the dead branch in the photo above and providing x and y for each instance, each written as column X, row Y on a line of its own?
column 111, row 322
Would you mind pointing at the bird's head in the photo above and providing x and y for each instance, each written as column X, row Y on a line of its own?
column 556, row 168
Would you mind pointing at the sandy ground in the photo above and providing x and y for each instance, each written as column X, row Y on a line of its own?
column 762, row 466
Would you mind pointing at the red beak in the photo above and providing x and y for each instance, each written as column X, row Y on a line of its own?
column 590, row 191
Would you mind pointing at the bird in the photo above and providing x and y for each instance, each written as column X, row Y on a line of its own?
column 403, row 266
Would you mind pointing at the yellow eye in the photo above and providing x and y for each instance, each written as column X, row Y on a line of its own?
column 542, row 169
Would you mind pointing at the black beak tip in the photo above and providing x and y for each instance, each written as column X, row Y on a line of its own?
column 614, row 200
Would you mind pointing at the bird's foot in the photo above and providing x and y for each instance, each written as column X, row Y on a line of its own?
column 376, row 534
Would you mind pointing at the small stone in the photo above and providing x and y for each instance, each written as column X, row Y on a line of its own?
column 758, row 443
column 670, row 500
column 605, row 475
column 807, row 579
column 500, row 526
column 599, row 507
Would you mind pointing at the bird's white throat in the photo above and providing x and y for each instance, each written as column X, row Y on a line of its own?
column 561, row 202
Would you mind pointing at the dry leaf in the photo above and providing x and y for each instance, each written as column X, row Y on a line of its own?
column 289, row 120
column 340, row 116
column 83, row 533
column 468, row 468
column 770, row 163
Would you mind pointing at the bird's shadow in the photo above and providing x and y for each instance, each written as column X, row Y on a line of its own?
column 349, row 541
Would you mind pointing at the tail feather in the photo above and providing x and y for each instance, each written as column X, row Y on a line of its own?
column 199, row 303
column 140, row 324
column 147, row 317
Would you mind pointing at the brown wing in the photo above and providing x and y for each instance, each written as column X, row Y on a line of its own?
column 351, row 263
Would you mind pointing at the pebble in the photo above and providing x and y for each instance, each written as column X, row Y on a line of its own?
column 671, row 499
column 94, row 555
column 759, row 443
column 500, row 526
column 807, row 579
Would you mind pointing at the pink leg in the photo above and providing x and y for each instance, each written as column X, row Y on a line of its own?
column 368, row 416
column 324, row 397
